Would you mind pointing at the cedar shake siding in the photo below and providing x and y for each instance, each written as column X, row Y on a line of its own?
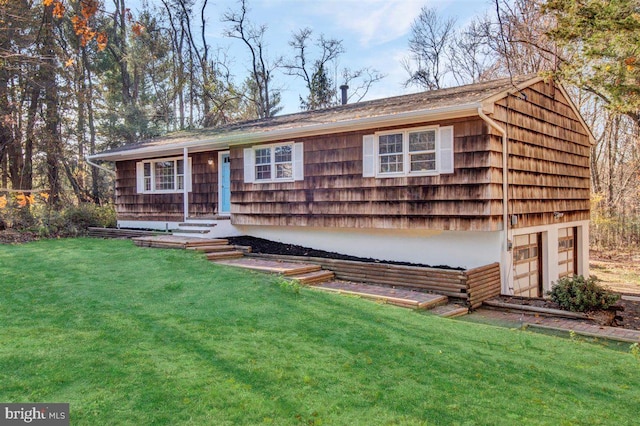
column 334, row 194
column 203, row 199
column 549, row 152
column 548, row 165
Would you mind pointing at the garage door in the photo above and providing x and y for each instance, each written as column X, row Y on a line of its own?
column 567, row 264
column 527, row 281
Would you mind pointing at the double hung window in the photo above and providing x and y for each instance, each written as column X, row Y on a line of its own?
column 164, row 175
column 274, row 163
column 410, row 152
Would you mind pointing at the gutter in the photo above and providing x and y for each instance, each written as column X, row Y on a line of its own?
column 98, row 166
column 505, row 174
column 329, row 127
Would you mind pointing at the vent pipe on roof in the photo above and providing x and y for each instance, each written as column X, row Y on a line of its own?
column 344, row 89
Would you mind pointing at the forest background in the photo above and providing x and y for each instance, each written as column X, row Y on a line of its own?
column 81, row 76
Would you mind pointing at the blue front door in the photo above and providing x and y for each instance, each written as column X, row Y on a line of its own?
column 225, row 184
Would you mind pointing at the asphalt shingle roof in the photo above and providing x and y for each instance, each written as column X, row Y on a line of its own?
column 386, row 107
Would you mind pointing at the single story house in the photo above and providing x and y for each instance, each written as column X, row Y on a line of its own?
column 466, row 176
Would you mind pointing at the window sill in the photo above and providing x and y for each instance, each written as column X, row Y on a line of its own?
column 172, row 191
column 273, row 180
column 399, row 175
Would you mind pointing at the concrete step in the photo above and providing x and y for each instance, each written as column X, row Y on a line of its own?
column 314, row 277
column 231, row 254
column 190, row 232
column 189, row 225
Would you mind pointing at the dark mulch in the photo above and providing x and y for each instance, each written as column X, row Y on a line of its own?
column 630, row 315
column 260, row 245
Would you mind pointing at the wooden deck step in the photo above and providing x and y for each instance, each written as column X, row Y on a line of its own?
column 175, row 241
column 212, row 249
column 199, row 242
column 229, row 254
column 283, row 268
column 404, row 298
column 450, row 310
column 314, row 277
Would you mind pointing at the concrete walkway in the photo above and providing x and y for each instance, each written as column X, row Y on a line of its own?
column 584, row 328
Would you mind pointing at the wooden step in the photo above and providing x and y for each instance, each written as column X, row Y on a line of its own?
column 194, row 224
column 212, row 249
column 437, row 300
column 313, row 277
column 399, row 297
column 450, row 310
column 232, row 254
column 206, row 242
column 286, row 269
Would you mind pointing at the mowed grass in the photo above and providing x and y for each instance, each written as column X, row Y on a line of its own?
column 146, row 336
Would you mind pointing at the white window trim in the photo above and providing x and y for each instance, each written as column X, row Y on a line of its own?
column 297, row 163
column 406, row 157
column 186, row 177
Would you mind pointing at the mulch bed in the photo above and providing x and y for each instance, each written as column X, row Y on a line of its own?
column 262, row 246
column 630, row 315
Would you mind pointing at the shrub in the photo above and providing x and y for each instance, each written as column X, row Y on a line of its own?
column 578, row 294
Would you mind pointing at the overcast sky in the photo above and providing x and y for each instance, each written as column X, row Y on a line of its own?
column 374, row 33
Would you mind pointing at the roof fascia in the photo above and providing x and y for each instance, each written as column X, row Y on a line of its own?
column 240, row 138
column 488, row 103
column 515, row 88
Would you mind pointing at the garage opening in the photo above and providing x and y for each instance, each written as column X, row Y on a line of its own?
column 567, row 254
column 527, row 281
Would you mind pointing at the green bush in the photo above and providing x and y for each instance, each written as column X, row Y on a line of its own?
column 578, row 294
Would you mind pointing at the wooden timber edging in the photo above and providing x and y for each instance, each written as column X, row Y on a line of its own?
column 120, row 233
column 483, row 283
column 472, row 286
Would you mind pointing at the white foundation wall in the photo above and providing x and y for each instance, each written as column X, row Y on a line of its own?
column 455, row 249
column 549, row 253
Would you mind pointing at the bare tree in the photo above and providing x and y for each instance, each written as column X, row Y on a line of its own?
column 519, row 38
column 431, row 36
column 360, row 81
column 472, row 59
column 316, row 75
column 261, row 94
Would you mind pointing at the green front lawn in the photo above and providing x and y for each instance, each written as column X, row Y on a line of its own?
column 146, row 336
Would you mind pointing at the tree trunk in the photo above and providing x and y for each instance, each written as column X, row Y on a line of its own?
column 29, row 143
column 52, row 138
column 95, row 175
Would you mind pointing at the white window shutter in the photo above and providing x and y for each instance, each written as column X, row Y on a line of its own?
column 249, row 165
column 298, row 161
column 187, row 176
column 446, row 149
column 368, row 156
column 140, row 177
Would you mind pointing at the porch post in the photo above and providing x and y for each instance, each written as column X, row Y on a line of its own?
column 185, row 187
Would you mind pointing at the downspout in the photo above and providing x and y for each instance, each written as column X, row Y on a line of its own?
column 505, row 175
column 98, row 166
